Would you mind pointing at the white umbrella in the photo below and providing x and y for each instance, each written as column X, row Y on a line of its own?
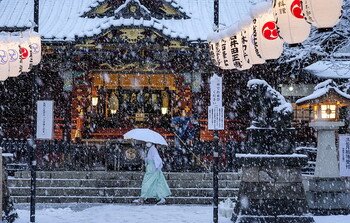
column 146, row 135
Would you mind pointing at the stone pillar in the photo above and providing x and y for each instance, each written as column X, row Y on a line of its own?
column 271, row 190
column 327, row 154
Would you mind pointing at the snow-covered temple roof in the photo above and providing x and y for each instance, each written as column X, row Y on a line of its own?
column 335, row 69
column 322, row 91
column 63, row 20
column 343, row 51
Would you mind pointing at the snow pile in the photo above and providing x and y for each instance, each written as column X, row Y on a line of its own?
column 226, row 208
column 124, row 213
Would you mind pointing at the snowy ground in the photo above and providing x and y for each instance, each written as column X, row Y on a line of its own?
column 81, row 213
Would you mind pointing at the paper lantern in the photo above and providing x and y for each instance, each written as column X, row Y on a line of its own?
column 238, row 54
column 4, row 64
column 25, row 52
column 322, row 13
column 267, row 43
column 248, row 46
column 292, row 26
column 13, row 48
column 35, row 44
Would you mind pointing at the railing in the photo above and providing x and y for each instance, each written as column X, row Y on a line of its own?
column 119, row 155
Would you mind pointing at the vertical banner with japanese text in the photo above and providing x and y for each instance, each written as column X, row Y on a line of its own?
column 44, row 124
column 215, row 110
column 344, row 155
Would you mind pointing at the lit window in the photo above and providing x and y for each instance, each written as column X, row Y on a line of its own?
column 328, row 111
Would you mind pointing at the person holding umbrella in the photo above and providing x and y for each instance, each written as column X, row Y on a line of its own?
column 154, row 184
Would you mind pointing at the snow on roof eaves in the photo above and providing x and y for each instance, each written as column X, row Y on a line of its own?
column 67, row 24
column 336, row 69
column 178, row 6
column 320, row 92
column 153, row 23
column 90, row 6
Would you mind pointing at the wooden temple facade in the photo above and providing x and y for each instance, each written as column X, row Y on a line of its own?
column 137, row 73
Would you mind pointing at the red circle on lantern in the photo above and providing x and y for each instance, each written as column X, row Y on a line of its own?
column 24, row 53
column 269, row 30
column 295, row 8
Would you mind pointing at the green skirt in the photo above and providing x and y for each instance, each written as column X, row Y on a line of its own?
column 154, row 184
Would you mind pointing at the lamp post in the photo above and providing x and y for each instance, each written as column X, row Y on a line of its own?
column 32, row 144
column 216, row 138
column 1, row 183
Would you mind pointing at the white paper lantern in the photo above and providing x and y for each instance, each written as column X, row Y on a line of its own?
column 266, row 39
column 13, row 48
column 25, row 53
column 292, row 26
column 237, row 53
column 247, row 35
column 4, row 64
column 322, row 13
column 35, row 44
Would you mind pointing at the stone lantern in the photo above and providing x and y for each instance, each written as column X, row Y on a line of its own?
column 325, row 102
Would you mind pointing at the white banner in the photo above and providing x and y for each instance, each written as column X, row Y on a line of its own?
column 44, row 120
column 216, row 90
column 344, row 155
column 216, row 118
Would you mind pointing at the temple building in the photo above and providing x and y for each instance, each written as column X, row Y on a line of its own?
column 114, row 65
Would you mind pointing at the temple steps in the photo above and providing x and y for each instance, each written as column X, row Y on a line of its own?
column 117, row 187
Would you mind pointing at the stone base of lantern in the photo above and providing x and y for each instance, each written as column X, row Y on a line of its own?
column 327, row 153
column 328, row 196
column 271, row 190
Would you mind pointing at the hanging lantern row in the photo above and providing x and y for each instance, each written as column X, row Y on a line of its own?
column 262, row 39
column 18, row 53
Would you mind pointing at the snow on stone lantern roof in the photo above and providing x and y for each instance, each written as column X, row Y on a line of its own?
column 64, row 20
column 326, row 91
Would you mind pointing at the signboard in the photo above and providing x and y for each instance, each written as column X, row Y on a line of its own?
column 215, row 110
column 344, row 155
column 44, row 120
column 216, row 118
column 216, row 90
